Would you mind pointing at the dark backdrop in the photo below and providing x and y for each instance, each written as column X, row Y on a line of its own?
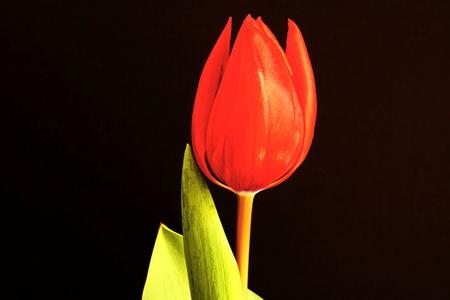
column 96, row 100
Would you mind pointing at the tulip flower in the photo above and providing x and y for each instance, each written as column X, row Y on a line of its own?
column 254, row 116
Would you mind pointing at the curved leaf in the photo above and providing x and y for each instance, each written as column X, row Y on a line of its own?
column 213, row 271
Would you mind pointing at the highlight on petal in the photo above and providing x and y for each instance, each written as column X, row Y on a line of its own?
column 270, row 34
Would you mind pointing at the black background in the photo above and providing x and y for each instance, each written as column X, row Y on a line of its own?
column 96, row 100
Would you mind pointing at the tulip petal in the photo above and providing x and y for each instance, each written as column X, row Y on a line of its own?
column 270, row 34
column 256, row 127
column 303, row 79
column 207, row 88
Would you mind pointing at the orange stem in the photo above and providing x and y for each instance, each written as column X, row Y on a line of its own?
column 243, row 226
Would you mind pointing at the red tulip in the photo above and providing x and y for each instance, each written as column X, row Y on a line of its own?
column 255, row 110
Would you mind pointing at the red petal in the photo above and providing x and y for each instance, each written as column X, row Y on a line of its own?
column 207, row 88
column 270, row 34
column 255, row 128
column 303, row 78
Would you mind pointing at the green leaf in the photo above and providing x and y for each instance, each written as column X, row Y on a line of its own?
column 167, row 274
column 253, row 296
column 213, row 271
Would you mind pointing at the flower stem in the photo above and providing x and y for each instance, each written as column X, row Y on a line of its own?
column 244, row 219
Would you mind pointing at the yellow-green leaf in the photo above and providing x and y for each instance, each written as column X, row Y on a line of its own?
column 167, row 274
column 213, row 271
column 201, row 264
